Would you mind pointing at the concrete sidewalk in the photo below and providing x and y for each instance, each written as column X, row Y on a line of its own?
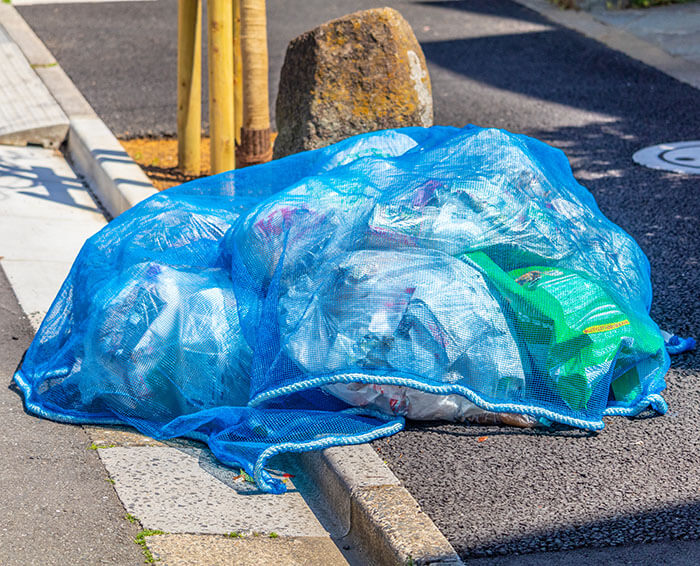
column 143, row 470
column 664, row 37
column 674, row 28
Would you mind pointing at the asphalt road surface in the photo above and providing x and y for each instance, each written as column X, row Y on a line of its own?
column 497, row 64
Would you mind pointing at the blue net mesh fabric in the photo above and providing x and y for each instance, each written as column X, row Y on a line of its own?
column 319, row 299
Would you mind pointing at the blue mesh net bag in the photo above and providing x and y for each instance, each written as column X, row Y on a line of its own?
column 439, row 273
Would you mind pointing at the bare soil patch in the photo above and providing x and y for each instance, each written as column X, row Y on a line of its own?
column 158, row 159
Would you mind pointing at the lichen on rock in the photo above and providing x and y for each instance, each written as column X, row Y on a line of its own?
column 359, row 73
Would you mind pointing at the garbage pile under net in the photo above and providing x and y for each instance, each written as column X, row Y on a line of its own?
column 441, row 273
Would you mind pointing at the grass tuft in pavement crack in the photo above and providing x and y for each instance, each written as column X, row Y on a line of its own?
column 245, row 476
column 141, row 541
column 94, row 446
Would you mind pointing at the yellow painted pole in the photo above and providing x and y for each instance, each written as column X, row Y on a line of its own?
column 237, row 72
column 255, row 133
column 220, row 33
column 189, row 86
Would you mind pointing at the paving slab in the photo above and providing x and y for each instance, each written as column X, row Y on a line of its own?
column 674, row 28
column 174, row 490
column 28, row 113
column 43, row 178
column 199, row 550
column 35, row 292
column 47, row 214
column 36, row 244
column 109, row 437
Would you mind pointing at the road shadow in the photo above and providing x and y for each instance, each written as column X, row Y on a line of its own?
column 493, row 8
column 445, row 428
column 668, row 523
column 535, row 65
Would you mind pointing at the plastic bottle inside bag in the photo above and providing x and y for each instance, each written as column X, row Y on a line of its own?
column 408, row 313
column 169, row 342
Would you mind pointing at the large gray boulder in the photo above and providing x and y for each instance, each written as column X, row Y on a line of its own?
column 360, row 73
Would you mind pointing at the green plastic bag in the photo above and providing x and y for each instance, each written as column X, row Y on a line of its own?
column 573, row 331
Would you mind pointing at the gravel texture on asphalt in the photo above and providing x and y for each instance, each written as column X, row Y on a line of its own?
column 496, row 64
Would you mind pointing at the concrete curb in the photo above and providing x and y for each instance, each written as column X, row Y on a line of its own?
column 619, row 40
column 378, row 513
column 118, row 182
column 115, row 179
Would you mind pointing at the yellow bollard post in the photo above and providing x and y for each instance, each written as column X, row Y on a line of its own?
column 237, row 72
column 220, row 32
column 189, row 86
column 255, row 133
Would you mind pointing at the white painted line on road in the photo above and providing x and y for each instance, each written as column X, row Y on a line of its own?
column 679, row 157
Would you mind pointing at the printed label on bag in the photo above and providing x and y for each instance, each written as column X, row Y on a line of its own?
column 605, row 327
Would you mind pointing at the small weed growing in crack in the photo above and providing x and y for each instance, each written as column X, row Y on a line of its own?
column 94, row 446
column 129, row 517
column 141, row 541
column 43, row 65
column 245, row 476
column 109, row 480
column 273, row 535
column 234, row 534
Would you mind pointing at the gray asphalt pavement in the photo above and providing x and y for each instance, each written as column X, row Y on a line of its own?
column 58, row 507
column 498, row 64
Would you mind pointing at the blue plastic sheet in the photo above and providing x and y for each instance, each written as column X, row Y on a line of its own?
column 317, row 300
